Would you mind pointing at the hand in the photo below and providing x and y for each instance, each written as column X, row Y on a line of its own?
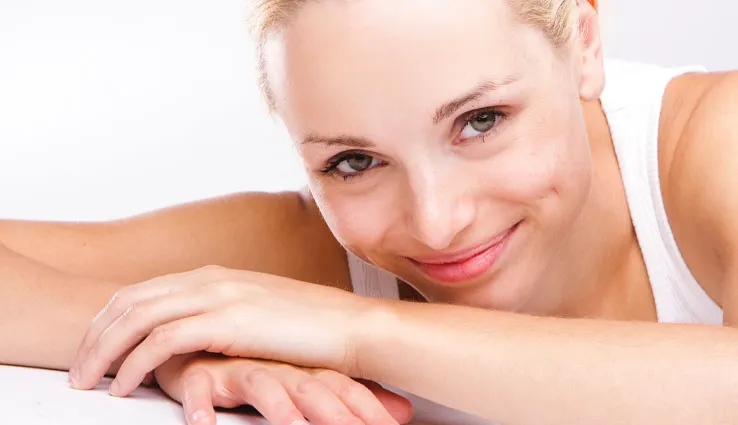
column 283, row 394
column 232, row 312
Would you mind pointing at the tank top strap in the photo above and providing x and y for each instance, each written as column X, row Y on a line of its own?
column 632, row 102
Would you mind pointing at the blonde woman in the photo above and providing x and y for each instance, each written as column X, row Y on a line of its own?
column 569, row 221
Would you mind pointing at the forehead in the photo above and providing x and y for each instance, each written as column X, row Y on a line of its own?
column 341, row 58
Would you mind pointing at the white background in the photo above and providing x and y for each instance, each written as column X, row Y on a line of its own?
column 111, row 108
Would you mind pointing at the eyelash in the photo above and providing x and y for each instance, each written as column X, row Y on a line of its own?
column 334, row 162
column 469, row 117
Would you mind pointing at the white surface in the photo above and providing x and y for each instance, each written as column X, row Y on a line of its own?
column 42, row 397
column 110, row 108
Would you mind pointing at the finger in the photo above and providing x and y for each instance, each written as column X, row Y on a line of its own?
column 357, row 397
column 120, row 302
column 134, row 294
column 318, row 402
column 259, row 388
column 189, row 335
column 134, row 325
column 197, row 398
column 149, row 380
column 398, row 406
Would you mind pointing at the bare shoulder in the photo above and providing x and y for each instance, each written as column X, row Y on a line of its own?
column 278, row 233
column 698, row 156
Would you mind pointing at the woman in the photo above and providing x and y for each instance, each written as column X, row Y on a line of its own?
column 468, row 148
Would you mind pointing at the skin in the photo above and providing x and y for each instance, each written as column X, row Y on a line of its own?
column 434, row 195
column 58, row 276
column 438, row 190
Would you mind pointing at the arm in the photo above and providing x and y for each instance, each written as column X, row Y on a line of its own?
column 505, row 367
column 44, row 312
column 282, row 234
column 57, row 276
column 520, row 370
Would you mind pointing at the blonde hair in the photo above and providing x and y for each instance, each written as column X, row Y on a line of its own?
column 557, row 19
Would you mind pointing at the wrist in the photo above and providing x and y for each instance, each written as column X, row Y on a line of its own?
column 372, row 347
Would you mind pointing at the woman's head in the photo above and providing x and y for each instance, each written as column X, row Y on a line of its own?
column 433, row 130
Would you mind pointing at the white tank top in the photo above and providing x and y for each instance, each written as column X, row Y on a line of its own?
column 632, row 104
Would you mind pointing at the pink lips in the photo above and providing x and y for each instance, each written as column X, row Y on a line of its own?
column 465, row 265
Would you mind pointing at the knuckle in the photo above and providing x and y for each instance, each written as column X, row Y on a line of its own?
column 120, row 300
column 213, row 272
column 133, row 311
column 222, row 288
column 94, row 353
column 258, row 375
column 98, row 355
column 351, row 390
column 286, row 406
column 345, row 387
column 195, row 376
column 210, row 268
column 162, row 335
column 309, row 385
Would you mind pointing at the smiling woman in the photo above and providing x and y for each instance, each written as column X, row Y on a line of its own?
column 481, row 152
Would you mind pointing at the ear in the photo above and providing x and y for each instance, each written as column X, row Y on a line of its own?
column 589, row 43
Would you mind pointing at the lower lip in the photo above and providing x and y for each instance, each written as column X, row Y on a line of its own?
column 469, row 269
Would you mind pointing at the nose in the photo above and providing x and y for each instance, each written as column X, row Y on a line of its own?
column 442, row 207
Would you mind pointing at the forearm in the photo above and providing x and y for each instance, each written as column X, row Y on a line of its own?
column 521, row 370
column 44, row 313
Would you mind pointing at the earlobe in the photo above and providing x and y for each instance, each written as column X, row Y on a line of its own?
column 592, row 77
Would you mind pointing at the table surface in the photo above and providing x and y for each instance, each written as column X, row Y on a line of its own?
column 42, row 397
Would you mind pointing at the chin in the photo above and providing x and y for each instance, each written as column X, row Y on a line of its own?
column 493, row 296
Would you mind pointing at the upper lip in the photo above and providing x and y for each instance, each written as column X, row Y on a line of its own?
column 461, row 255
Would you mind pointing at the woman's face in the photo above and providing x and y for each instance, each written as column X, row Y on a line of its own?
column 444, row 140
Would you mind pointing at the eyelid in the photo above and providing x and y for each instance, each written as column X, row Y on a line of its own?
column 332, row 164
column 466, row 117
column 343, row 155
column 497, row 110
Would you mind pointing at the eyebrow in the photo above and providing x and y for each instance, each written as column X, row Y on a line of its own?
column 449, row 108
column 441, row 114
column 350, row 141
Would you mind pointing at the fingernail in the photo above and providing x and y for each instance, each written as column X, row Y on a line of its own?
column 73, row 377
column 199, row 416
column 299, row 422
column 114, row 388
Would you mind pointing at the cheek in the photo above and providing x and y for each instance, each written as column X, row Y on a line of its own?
column 526, row 173
column 546, row 170
column 358, row 222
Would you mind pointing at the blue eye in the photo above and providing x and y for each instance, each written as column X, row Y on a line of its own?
column 480, row 123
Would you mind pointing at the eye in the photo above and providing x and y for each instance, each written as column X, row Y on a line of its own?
column 480, row 123
column 356, row 163
column 349, row 165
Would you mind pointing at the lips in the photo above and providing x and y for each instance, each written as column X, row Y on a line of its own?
column 465, row 265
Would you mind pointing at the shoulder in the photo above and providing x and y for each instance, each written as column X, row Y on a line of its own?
column 698, row 151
